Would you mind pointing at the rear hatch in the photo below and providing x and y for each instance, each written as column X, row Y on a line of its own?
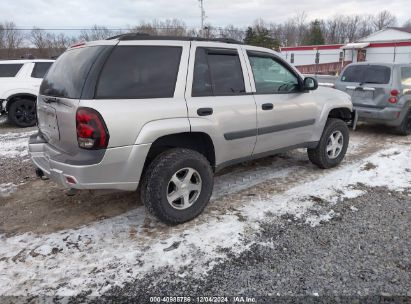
column 60, row 94
column 368, row 85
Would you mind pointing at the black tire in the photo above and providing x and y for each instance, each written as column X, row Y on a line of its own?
column 157, row 179
column 22, row 113
column 319, row 156
column 405, row 127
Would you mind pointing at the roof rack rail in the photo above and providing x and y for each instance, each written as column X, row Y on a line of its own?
column 144, row 36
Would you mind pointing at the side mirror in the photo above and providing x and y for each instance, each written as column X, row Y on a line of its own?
column 310, row 83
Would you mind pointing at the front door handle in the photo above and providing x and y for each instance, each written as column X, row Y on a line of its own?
column 267, row 106
column 205, row 111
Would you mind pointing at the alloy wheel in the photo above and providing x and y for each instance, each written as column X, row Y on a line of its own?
column 184, row 188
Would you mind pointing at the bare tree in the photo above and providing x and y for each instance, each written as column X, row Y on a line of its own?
column 289, row 33
column 407, row 24
column 144, row 28
column 383, row 20
column 172, row 27
column 1, row 36
column 301, row 24
column 12, row 38
column 232, row 32
column 39, row 38
column 365, row 27
column 97, row 32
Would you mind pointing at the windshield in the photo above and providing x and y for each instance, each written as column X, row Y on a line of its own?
column 367, row 74
column 67, row 75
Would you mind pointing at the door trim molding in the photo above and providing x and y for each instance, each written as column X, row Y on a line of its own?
column 287, row 126
column 267, row 130
column 240, row 134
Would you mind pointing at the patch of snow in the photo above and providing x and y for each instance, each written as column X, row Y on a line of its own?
column 119, row 249
column 7, row 189
column 314, row 221
column 14, row 144
column 353, row 209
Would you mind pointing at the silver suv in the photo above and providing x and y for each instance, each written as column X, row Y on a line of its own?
column 380, row 92
column 166, row 113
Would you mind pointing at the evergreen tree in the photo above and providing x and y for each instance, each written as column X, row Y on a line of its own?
column 261, row 37
column 315, row 35
column 249, row 35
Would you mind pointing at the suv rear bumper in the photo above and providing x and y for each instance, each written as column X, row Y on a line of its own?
column 120, row 168
column 387, row 116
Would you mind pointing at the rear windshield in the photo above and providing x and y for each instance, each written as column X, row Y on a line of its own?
column 9, row 70
column 406, row 76
column 40, row 69
column 139, row 72
column 67, row 75
column 367, row 74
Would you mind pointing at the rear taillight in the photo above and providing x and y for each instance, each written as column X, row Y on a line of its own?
column 91, row 130
column 394, row 95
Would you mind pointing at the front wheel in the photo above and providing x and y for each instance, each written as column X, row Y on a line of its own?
column 332, row 146
column 22, row 113
column 177, row 185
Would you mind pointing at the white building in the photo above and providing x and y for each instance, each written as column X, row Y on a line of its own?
column 389, row 45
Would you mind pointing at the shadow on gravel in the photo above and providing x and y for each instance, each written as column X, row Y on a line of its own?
column 377, row 129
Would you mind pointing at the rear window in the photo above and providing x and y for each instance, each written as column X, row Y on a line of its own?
column 367, row 74
column 406, row 76
column 67, row 75
column 40, row 69
column 9, row 70
column 133, row 72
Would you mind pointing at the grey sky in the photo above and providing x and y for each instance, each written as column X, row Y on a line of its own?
column 120, row 13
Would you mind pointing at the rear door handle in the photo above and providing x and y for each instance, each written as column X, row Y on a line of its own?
column 267, row 106
column 205, row 111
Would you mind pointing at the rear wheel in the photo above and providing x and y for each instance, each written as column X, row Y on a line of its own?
column 22, row 113
column 405, row 127
column 177, row 185
column 332, row 146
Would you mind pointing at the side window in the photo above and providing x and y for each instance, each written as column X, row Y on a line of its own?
column 40, row 69
column 217, row 72
column 133, row 72
column 406, row 76
column 271, row 76
column 9, row 70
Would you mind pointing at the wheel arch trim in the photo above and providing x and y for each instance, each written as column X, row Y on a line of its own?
column 11, row 97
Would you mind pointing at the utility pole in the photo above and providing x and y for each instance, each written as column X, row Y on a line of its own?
column 203, row 16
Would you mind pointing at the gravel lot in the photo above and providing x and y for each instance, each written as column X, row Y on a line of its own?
column 364, row 250
column 277, row 226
